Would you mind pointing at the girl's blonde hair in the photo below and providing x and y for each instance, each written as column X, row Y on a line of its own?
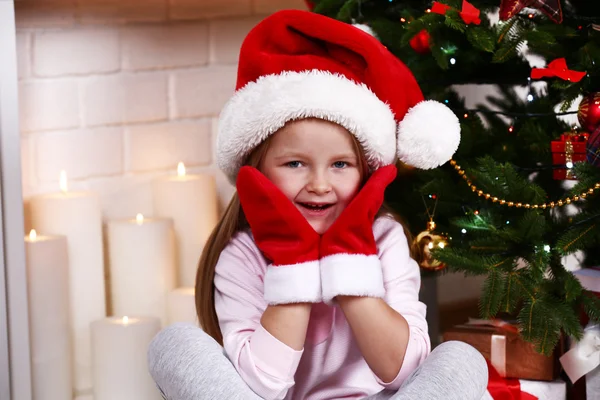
column 232, row 221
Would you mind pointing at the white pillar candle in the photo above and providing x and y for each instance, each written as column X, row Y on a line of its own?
column 77, row 216
column 192, row 202
column 142, row 265
column 49, row 329
column 182, row 306
column 119, row 361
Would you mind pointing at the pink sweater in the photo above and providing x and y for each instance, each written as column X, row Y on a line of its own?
column 330, row 366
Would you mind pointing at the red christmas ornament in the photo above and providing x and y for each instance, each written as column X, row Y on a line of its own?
column 420, row 42
column 552, row 8
column 589, row 112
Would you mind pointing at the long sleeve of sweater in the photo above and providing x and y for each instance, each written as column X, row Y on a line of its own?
column 402, row 280
column 266, row 364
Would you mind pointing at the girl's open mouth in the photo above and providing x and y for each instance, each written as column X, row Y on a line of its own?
column 315, row 207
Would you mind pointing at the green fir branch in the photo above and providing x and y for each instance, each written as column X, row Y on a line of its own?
column 491, row 298
column 503, row 29
column 572, row 287
column 508, row 49
column 454, row 21
column 482, row 39
column 591, row 306
column 514, row 291
column 348, row 11
column 531, row 226
column 578, row 238
column 328, row 7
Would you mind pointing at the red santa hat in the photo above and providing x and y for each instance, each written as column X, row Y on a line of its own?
column 297, row 64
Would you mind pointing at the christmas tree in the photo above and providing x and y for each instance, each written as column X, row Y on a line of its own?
column 523, row 190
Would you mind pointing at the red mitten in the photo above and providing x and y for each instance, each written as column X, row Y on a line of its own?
column 349, row 261
column 284, row 236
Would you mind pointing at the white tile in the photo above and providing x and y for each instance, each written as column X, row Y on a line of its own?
column 76, row 51
column 194, row 9
column 27, row 164
column 46, row 105
column 125, row 98
column 119, row 11
column 23, row 54
column 165, row 46
column 124, row 196
column 44, row 13
column 162, row 146
column 227, row 36
column 203, row 92
column 270, row 6
column 81, row 153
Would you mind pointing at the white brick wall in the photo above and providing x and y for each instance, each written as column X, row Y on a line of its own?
column 117, row 92
column 202, row 92
column 125, row 98
column 89, row 51
column 162, row 146
column 49, row 104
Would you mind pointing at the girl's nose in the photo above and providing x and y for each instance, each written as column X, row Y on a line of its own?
column 318, row 184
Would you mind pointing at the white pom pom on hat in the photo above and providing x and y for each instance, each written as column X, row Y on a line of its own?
column 297, row 64
column 421, row 139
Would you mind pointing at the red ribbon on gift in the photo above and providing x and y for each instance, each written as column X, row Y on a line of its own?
column 557, row 68
column 494, row 322
column 469, row 13
column 505, row 388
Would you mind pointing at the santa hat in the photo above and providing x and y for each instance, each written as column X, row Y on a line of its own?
column 297, row 64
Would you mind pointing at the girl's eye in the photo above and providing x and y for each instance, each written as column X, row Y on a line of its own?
column 340, row 164
column 294, row 164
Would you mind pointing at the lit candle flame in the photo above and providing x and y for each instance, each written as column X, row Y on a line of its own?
column 125, row 320
column 62, row 182
column 32, row 234
column 139, row 219
column 180, row 169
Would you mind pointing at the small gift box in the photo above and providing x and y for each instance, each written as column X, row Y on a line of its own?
column 571, row 148
column 500, row 343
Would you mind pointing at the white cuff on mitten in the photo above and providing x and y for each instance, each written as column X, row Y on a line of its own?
column 297, row 283
column 352, row 275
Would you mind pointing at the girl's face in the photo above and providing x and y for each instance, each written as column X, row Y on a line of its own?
column 316, row 165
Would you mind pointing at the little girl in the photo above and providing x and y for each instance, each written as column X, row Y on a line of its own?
column 307, row 282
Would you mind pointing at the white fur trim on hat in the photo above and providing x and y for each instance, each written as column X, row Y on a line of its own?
column 297, row 283
column 366, row 29
column 428, row 135
column 260, row 108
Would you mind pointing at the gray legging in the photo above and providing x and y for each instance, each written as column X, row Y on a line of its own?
column 187, row 364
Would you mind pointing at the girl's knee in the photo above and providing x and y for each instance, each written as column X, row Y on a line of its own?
column 464, row 356
column 179, row 339
column 461, row 352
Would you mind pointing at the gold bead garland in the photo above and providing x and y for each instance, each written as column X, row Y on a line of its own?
column 498, row 200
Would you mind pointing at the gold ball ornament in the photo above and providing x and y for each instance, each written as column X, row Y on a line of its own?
column 423, row 244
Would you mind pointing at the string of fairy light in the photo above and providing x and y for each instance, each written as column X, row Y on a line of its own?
column 522, row 204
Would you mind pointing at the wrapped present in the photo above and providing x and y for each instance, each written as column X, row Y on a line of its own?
column 521, row 389
column 571, row 148
column 590, row 280
column 500, row 343
column 586, row 387
column 583, row 361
